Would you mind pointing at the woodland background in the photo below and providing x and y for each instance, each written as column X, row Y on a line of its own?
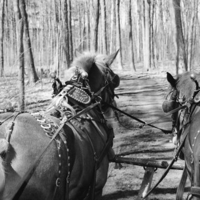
column 38, row 37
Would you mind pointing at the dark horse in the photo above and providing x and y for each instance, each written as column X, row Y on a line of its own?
column 75, row 165
column 184, row 98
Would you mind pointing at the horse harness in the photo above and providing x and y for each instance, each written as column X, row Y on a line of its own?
column 49, row 126
column 190, row 105
column 82, row 95
column 63, row 138
column 187, row 108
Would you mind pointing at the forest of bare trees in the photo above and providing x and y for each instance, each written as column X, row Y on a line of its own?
column 46, row 34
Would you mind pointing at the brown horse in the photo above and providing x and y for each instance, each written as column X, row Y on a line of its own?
column 75, row 164
column 184, row 97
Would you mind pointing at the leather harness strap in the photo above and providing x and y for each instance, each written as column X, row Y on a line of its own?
column 97, row 159
column 139, row 120
column 169, row 166
column 184, row 136
column 24, row 181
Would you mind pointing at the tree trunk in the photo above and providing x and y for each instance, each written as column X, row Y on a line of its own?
column 104, row 30
column 92, row 22
column 20, row 30
column 2, row 38
column 112, row 26
column 193, row 33
column 152, row 33
column 131, row 36
column 96, row 25
column 181, row 51
column 70, row 30
column 146, row 53
column 119, row 33
column 32, row 74
column 66, row 34
column 88, row 25
column 80, row 30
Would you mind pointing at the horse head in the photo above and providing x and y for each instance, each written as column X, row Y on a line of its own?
column 96, row 68
column 181, row 91
column 92, row 70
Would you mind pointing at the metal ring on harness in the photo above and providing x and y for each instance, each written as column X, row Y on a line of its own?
column 46, row 126
column 41, row 120
column 58, row 182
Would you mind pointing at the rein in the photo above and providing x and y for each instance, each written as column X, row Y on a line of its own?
column 176, row 110
column 182, row 130
column 170, row 165
column 139, row 120
column 177, row 151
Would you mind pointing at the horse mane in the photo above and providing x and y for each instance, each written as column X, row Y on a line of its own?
column 87, row 60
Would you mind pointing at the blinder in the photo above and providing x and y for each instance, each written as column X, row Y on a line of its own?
column 112, row 82
column 168, row 105
column 171, row 101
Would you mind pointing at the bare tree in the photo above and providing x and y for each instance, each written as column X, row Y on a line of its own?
column 131, row 36
column 152, row 32
column 96, row 25
column 119, row 34
column 112, row 25
column 88, row 24
column 192, row 32
column 70, row 29
column 20, row 30
column 2, row 38
column 104, row 29
column 32, row 75
column 181, row 51
column 146, row 35
column 66, row 31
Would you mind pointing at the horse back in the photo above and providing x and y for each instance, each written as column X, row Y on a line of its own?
column 27, row 141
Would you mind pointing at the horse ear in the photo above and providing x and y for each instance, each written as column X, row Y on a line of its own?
column 111, row 58
column 77, row 53
column 171, row 79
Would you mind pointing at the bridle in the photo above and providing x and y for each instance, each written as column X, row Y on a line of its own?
column 107, row 91
column 177, row 108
